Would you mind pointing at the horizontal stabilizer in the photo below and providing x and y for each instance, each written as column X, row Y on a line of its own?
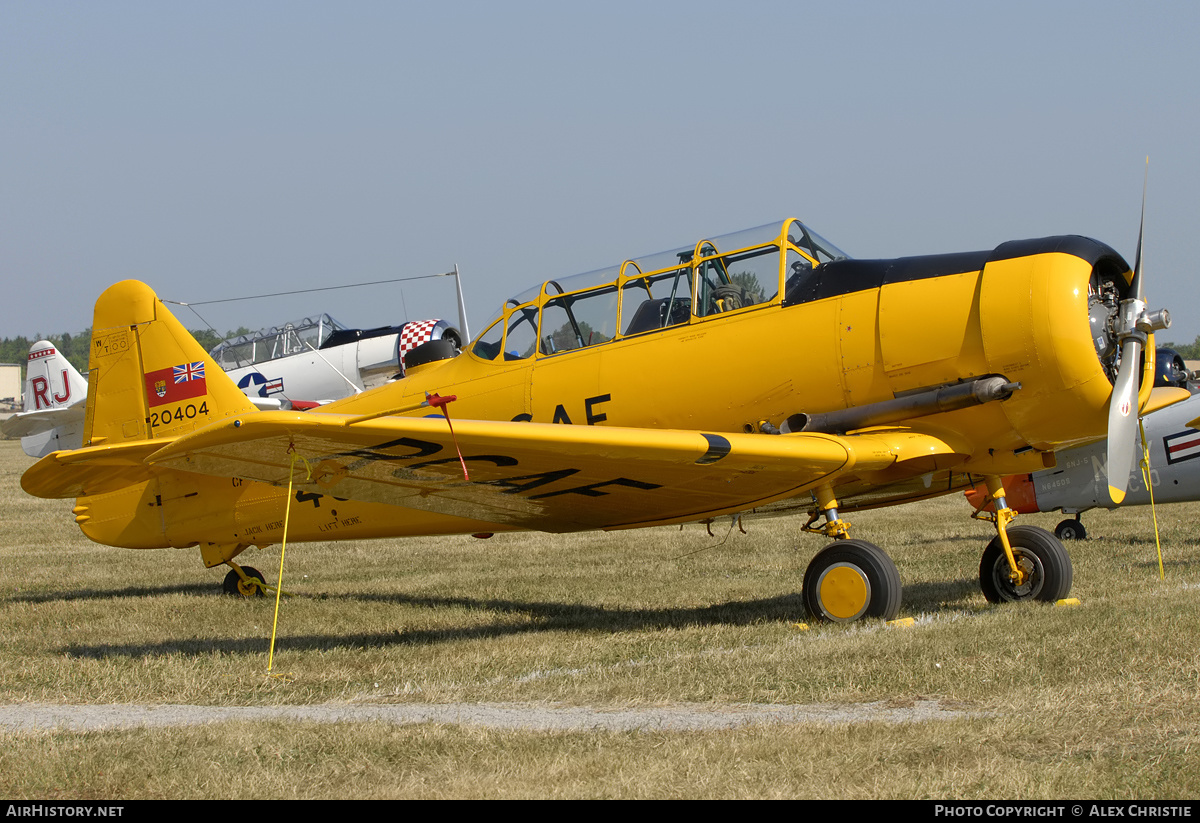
column 91, row 470
column 25, row 424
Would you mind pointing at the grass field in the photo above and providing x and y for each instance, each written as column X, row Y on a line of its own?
column 1101, row 700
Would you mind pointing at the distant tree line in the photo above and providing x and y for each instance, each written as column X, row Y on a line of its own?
column 1188, row 351
column 75, row 346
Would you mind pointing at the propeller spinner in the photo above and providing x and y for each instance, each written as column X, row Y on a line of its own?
column 1132, row 324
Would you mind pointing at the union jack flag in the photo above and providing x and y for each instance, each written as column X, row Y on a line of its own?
column 188, row 372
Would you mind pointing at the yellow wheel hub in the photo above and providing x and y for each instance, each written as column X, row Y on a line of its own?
column 844, row 592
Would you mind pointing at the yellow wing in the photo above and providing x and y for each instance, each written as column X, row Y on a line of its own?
column 535, row 476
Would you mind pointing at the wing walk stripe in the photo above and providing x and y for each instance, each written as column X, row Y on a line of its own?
column 718, row 447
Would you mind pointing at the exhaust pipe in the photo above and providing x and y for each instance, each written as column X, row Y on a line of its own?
column 919, row 404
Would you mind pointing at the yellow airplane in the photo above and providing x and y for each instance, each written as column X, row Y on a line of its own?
column 758, row 372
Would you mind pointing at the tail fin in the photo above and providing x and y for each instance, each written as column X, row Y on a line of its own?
column 51, row 382
column 55, row 394
column 148, row 378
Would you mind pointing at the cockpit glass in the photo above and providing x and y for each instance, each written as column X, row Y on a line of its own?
column 521, row 338
column 487, row 345
column 528, row 296
column 656, row 301
column 663, row 259
column 813, row 244
column 736, row 281
column 578, row 321
column 579, row 282
column 757, row 236
column 718, row 275
column 297, row 337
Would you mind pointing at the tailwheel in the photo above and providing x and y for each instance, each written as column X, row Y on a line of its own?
column 849, row 580
column 234, row 584
column 1071, row 529
column 1043, row 561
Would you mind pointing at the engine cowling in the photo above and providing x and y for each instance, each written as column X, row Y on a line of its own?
column 417, row 333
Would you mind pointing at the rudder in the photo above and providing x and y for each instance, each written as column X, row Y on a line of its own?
column 148, row 377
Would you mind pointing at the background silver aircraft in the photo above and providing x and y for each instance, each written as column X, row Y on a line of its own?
column 1080, row 480
column 297, row 365
column 317, row 360
column 54, row 401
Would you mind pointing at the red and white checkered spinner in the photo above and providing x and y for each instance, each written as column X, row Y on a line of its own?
column 419, row 332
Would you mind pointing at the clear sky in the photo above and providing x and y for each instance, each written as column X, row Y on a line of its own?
column 221, row 149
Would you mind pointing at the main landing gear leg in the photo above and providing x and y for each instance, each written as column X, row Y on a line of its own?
column 848, row 579
column 1021, row 562
column 835, row 526
column 244, row 581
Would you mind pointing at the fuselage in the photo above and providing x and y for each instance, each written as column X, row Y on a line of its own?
column 835, row 334
column 733, row 334
column 318, row 360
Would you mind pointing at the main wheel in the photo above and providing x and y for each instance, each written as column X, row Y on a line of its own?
column 235, row 585
column 849, row 580
column 1039, row 554
column 1070, row 530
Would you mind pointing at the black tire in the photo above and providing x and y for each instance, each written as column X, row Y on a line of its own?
column 849, row 580
column 1070, row 530
column 1042, row 556
column 233, row 583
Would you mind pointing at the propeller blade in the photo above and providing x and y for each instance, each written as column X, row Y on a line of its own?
column 1123, row 420
column 1133, row 324
column 1136, row 285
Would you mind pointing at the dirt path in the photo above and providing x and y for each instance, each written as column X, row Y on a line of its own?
column 685, row 717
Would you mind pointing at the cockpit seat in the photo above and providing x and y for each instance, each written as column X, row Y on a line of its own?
column 652, row 314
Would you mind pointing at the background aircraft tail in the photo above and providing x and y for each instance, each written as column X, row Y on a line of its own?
column 55, row 394
column 148, row 378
